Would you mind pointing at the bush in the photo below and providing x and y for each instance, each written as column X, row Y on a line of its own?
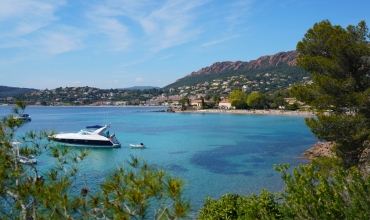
column 233, row 206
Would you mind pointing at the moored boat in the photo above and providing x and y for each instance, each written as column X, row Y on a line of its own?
column 24, row 117
column 27, row 160
column 141, row 145
column 87, row 137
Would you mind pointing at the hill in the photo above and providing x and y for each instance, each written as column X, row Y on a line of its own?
column 6, row 91
column 280, row 65
column 139, row 88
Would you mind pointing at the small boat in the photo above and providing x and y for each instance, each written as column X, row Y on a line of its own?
column 30, row 159
column 88, row 137
column 27, row 160
column 24, row 117
column 141, row 145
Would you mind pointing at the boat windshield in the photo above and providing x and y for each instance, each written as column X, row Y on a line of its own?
column 85, row 132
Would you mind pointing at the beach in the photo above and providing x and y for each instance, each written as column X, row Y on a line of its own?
column 258, row 112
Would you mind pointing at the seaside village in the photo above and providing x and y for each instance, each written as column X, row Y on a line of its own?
column 171, row 98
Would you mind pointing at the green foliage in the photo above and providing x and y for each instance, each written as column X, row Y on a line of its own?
column 323, row 190
column 233, row 206
column 257, row 100
column 292, row 107
column 6, row 91
column 239, row 104
column 349, row 132
column 216, row 98
column 133, row 192
column 338, row 60
column 26, row 192
column 184, row 101
column 327, row 165
column 237, row 94
column 296, row 74
column 311, row 194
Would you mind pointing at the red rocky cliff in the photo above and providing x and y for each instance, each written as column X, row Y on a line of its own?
column 287, row 58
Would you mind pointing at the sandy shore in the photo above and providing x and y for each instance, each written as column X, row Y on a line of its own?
column 258, row 112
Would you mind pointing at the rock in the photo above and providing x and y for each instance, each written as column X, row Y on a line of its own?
column 320, row 149
column 158, row 111
column 281, row 58
column 324, row 149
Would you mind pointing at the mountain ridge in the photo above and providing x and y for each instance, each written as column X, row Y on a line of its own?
column 281, row 63
column 139, row 88
column 8, row 91
column 280, row 58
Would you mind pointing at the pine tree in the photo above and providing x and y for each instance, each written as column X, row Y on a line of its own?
column 339, row 62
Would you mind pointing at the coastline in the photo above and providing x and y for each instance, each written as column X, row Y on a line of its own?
column 212, row 111
column 252, row 112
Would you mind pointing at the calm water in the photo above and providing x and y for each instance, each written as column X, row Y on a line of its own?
column 214, row 153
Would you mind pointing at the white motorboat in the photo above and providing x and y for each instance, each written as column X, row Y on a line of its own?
column 30, row 159
column 27, row 160
column 141, row 145
column 94, row 138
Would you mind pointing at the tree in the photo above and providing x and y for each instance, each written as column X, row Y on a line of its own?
column 203, row 104
column 237, row 94
column 137, row 191
column 216, row 98
column 239, row 104
column 313, row 194
column 310, row 193
column 233, row 206
column 339, row 62
column 256, row 100
column 292, row 107
column 183, row 102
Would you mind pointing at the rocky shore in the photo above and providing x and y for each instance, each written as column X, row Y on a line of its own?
column 325, row 149
column 320, row 149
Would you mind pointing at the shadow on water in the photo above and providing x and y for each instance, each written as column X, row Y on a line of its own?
column 174, row 168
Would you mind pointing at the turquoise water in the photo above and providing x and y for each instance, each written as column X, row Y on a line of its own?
column 214, row 153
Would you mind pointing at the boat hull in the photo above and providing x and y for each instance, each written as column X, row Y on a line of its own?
column 92, row 143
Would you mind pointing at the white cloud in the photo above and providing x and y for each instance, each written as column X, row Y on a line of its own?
column 172, row 24
column 114, row 29
column 30, row 25
column 64, row 40
column 22, row 17
column 166, row 57
column 139, row 79
column 160, row 25
column 211, row 43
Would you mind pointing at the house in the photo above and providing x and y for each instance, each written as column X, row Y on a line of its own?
column 121, row 103
column 152, row 103
column 198, row 103
column 224, row 104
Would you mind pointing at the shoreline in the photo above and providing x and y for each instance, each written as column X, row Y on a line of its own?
column 252, row 112
column 211, row 111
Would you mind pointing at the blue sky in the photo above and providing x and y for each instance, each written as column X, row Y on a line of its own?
column 123, row 43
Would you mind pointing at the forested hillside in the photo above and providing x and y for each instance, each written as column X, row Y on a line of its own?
column 6, row 91
column 281, row 65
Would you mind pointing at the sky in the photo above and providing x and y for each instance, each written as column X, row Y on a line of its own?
column 46, row 44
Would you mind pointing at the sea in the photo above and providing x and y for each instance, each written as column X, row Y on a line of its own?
column 214, row 153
